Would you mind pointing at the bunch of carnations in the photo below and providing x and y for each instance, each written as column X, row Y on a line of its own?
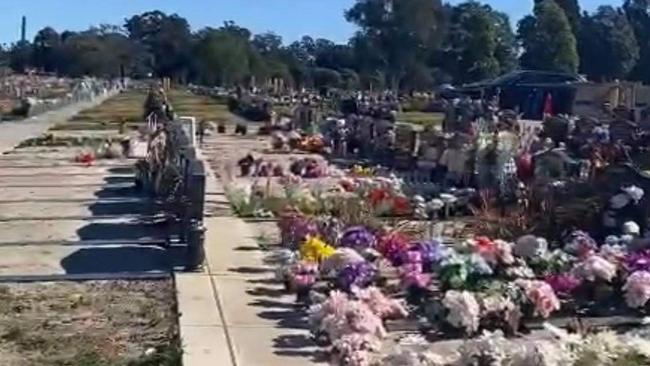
column 353, row 324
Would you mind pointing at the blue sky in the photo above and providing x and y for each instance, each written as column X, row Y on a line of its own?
column 289, row 18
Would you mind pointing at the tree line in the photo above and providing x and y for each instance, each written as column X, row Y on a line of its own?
column 400, row 44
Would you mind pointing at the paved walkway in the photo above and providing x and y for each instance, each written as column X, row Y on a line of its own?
column 235, row 313
column 13, row 132
column 59, row 218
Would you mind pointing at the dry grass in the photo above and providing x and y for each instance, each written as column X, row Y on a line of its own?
column 200, row 106
column 97, row 323
column 123, row 108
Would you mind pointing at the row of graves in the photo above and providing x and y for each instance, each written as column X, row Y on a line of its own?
column 493, row 241
column 24, row 95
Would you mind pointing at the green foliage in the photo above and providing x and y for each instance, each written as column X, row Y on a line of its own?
column 167, row 38
column 639, row 19
column 397, row 31
column 223, row 57
column 608, row 45
column 479, row 43
column 401, row 44
column 571, row 9
column 547, row 39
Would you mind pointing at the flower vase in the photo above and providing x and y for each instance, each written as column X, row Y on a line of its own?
column 302, row 294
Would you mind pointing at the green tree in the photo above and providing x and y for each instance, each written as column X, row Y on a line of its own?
column 399, row 30
column 479, row 43
column 638, row 14
column 607, row 44
column 223, row 57
column 166, row 37
column 571, row 9
column 47, row 50
column 547, row 39
column 20, row 56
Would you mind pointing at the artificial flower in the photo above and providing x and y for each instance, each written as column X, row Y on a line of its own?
column 541, row 295
column 303, row 274
column 415, row 279
column 638, row 261
column 401, row 205
column 595, row 267
column 454, row 272
column 295, row 228
column 380, row 304
column 315, row 250
column 519, row 269
column 357, row 274
column 341, row 258
column 581, row 244
column 637, row 289
column 392, row 245
column 504, row 252
column 462, row 310
column 358, row 237
column 489, row 348
column 563, row 283
column 432, row 252
column 478, row 265
column 613, row 253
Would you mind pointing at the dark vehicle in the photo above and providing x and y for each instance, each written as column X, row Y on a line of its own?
column 526, row 91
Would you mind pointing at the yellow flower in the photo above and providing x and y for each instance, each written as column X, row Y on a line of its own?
column 315, row 250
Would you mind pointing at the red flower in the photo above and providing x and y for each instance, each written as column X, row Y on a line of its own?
column 401, row 206
column 377, row 195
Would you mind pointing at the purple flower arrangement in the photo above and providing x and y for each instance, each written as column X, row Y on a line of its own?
column 356, row 275
column 432, row 252
column 358, row 237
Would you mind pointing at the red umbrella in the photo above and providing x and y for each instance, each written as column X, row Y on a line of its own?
column 548, row 105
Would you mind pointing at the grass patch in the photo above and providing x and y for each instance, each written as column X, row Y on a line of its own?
column 202, row 107
column 96, row 323
column 125, row 106
column 421, row 118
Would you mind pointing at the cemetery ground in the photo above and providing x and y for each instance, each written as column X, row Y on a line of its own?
column 83, row 279
column 202, row 107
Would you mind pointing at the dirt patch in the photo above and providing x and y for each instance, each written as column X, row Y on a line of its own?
column 97, row 323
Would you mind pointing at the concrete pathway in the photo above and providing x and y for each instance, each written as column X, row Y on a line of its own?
column 13, row 132
column 234, row 313
column 61, row 218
